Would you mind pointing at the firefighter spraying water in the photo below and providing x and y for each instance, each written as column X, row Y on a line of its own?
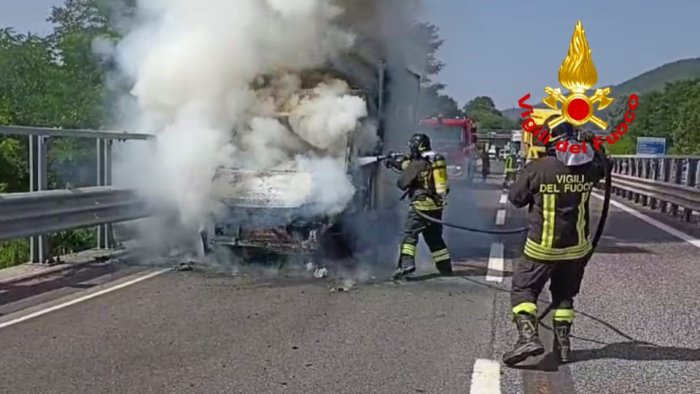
column 424, row 180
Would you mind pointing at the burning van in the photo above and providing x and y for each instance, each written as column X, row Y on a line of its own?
column 279, row 210
column 296, row 206
column 303, row 205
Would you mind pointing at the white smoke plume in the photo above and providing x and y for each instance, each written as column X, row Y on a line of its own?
column 325, row 120
column 208, row 77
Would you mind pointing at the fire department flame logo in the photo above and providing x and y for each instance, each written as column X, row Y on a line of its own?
column 578, row 74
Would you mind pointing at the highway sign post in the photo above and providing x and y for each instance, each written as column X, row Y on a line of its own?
column 651, row 146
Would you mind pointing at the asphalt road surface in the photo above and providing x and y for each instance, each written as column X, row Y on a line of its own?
column 110, row 328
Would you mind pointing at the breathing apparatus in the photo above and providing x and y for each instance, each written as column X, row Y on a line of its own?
column 419, row 147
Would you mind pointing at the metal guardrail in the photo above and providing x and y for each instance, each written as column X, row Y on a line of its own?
column 30, row 214
column 671, row 183
column 38, row 173
column 668, row 183
column 679, row 170
column 75, row 133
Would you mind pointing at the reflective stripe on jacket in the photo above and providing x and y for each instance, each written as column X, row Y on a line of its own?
column 558, row 197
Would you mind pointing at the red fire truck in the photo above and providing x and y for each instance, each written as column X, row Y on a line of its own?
column 454, row 138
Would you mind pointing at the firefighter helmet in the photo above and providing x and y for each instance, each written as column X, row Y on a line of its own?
column 418, row 144
column 563, row 131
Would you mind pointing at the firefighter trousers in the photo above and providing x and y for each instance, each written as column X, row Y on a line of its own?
column 432, row 234
column 509, row 179
column 529, row 278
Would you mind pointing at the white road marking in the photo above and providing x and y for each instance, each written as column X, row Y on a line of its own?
column 83, row 298
column 496, row 263
column 486, row 377
column 500, row 217
column 504, row 199
column 670, row 230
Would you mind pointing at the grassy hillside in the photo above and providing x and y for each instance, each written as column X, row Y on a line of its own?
column 654, row 80
column 657, row 78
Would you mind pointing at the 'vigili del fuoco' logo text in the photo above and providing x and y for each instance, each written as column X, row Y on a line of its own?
column 577, row 74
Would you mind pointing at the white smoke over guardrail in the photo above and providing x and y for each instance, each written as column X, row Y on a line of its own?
column 194, row 65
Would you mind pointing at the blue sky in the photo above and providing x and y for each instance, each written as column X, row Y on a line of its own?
column 507, row 48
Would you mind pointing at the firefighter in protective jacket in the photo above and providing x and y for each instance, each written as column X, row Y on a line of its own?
column 424, row 179
column 557, row 188
column 510, row 170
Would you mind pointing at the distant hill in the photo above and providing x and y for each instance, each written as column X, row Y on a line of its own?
column 657, row 78
column 512, row 113
column 652, row 80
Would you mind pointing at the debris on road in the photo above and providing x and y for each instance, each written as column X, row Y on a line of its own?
column 320, row 273
column 51, row 261
column 347, row 285
column 185, row 266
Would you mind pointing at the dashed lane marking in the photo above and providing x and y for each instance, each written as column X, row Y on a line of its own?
column 500, row 217
column 496, row 263
column 504, row 199
column 486, row 377
column 136, row 279
column 670, row 230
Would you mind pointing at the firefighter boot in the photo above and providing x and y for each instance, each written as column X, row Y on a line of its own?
column 403, row 271
column 405, row 267
column 562, row 341
column 528, row 344
column 444, row 267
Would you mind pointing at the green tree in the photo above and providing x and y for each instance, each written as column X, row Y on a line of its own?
column 483, row 110
column 53, row 81
column 672, row 114
column 19, row 54
column 434, row 103
column 426, row 42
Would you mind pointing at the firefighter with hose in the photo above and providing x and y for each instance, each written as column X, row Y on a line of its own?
column 424, row 180
column 557, row 189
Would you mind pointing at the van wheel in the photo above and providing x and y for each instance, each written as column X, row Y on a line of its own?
column 335, row 244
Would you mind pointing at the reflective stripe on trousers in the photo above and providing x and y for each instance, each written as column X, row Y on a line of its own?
column 408, row 249
column 525, row 307
column 564, row 315
column 441, row 255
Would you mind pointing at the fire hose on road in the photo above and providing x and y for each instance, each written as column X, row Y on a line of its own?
column 516, row 230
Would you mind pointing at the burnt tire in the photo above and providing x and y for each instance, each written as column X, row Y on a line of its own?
column 336, row 244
